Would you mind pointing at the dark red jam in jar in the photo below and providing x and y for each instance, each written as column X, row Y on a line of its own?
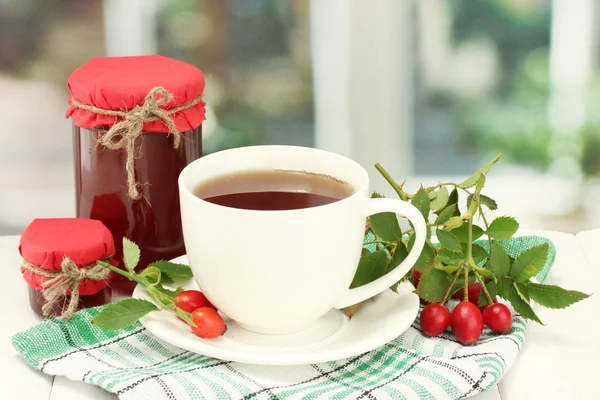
column 60, row 265
column 37, row 302
column 136, row 125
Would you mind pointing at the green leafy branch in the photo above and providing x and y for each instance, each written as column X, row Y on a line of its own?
column 456, row 260
column 125, row 312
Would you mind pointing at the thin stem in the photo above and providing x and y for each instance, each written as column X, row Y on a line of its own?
column 429, row 226
column 466, row 284
column 379, row 242
column 119, row 271
column 485, row 290
column 391, row 181
column 165, row 300
column 470, row 239
column 485, row 223
column 451, row 184
column 447, row 294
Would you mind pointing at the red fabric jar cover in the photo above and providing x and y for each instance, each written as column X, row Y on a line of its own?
column 121, row 83
column 46, row 242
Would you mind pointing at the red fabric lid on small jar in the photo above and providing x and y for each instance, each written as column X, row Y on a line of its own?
column 47, row 241
column 121, row 83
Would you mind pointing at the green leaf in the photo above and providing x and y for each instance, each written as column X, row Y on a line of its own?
column 433, row 285
column 485, row 200
column 445, row 215
column 530, row 262
column 151, row 275
column 441, row 199
column 186, row 316
column 499, row 262
column 491, row 287
column 166, row 279
column 411, row 241
column 453, row 197
column 385, row 226
column 399, row 255
column 448, row 240
column 123, row 313
column 437, row 263
column 521, row 305
column 173, row 270
column 522, row 288
column 421, row 202
column 425, row 260
column 552, row 296
column 479, row 253
column 450, row 257
column 370, row 267
column 131, row 254
column 472, row 180
column 502, row 228
column 462, row 233
column 504, row 285
column 484, row 272
column 168, row 292
column 454, row 223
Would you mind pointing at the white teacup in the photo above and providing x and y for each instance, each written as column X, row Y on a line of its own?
column 277, row 272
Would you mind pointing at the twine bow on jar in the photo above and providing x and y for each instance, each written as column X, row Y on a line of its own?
column 60, row 283
column 123, row 134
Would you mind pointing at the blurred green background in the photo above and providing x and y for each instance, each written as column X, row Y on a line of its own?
column 484, row 76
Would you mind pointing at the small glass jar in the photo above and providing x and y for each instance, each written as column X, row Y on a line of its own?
column 56, row 251
column 37, row 301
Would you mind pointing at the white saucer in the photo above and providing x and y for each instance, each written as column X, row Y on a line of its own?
column 332, row 337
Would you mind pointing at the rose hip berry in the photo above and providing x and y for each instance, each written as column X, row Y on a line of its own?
column 482, row 308
column 189, row 300
column 435, row 319
column 416, row 275
column 474, row 292
column 498, row 318
column 466, row 322
column 209, row 323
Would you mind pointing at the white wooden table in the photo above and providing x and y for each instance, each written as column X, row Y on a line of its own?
column 558, row 361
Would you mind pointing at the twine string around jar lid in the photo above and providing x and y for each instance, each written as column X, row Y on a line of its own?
column 57, row 287
column 124, row 133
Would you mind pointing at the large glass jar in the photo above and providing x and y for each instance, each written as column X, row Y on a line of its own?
column 153, row 220
column 136, row 125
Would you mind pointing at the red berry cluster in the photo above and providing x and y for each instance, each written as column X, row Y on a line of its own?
column 466, row 320
column 208, row 321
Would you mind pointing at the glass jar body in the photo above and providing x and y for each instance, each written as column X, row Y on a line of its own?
column 152, row 221
column 37, row 301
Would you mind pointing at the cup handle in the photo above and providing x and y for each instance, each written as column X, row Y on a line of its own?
column 376, row 206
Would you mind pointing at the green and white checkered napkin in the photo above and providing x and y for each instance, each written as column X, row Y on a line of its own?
column 133, row 364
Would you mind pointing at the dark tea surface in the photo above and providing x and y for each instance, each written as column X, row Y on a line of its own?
column 273, row 190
